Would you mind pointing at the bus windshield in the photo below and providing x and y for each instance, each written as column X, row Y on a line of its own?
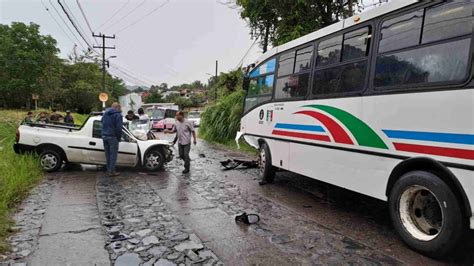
column 156, row 114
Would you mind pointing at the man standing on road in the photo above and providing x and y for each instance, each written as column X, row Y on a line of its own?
column 183, row 129
column 111, row 135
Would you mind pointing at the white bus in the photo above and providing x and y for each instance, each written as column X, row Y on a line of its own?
column 382, row 104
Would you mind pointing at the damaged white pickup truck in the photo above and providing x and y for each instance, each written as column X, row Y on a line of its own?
column 59, row 144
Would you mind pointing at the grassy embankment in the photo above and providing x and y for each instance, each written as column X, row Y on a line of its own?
column 18, row 173
column 220, row 122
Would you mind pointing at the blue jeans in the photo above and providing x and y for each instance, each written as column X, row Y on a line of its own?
column 111, row 146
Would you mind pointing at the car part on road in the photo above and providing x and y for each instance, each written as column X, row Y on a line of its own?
column 247, row 218
column 267, row 170
column 426, row 213
column 234, row 163
column 154, row 160
column 50, row 160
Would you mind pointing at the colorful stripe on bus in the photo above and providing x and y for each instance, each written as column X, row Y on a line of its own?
column 397, row 136
column 341, row 125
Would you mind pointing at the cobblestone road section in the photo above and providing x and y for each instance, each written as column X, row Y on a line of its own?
column 285, row 233
column 140, row 228
column 28, row 222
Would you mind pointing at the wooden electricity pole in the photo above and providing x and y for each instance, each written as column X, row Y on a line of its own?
column 103, row 47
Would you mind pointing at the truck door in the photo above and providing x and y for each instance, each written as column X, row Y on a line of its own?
column 95, row 146
column 128, row 151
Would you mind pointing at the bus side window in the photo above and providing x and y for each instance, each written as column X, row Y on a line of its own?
column 342, row 71
column 293, row 82
column 441, row 53
column 401, row 32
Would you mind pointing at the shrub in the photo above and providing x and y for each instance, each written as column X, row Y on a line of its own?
column 220, row 122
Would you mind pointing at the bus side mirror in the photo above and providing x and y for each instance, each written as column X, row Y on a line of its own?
column 246, row 83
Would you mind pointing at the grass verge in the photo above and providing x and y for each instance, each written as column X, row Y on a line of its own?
column 18, row 173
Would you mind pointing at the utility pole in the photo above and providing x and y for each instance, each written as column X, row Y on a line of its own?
column 103, row 47
column 215, row 79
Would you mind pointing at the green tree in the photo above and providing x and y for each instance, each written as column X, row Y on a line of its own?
column 154, row 97
column 82, row 85
column 279, row 21
column 25, row 55
column 50, row 84
column 183, row 102
column 115, row 86
column 198, row 99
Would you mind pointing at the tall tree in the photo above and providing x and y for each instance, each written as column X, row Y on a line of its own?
column 280, row 21
column 262, row 17
column 24, row 56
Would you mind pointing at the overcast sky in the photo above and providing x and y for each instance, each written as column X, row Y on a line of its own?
column 177, row 43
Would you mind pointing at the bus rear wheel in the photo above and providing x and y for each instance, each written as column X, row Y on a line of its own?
column 267, row 170
column 426, row 213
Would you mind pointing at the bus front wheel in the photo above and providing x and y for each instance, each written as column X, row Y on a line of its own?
column 267, row 170
column 426, row 213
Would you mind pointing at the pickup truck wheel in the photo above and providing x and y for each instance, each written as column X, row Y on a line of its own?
column 50, row 160
column 154, row 160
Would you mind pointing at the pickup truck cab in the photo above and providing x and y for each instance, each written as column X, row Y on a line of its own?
column 58, row 144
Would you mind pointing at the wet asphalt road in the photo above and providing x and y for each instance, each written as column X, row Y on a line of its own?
column 81, row 217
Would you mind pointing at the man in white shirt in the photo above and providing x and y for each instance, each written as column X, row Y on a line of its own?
column 142, row 115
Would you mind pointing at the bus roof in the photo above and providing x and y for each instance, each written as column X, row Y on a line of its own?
column 343, row 24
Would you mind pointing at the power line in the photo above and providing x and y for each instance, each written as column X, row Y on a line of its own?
column 67, row 26
column 142, row 18
column 130, row 76
column 87, row 21
column 128, row 79
column 135, row 75
column 246, row 53
column 75, row 27
column 75, row 20
column 128, row 14
column 59, row 25
column 113, row 15
column 134, row 52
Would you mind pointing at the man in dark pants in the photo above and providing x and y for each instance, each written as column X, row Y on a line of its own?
column 183, row 129
column 111, row 134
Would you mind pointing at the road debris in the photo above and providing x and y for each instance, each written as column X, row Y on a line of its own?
column 247, row 218
column 234, row 163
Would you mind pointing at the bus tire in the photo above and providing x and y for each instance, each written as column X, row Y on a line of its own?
column 267, row 170
column 426, row 213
